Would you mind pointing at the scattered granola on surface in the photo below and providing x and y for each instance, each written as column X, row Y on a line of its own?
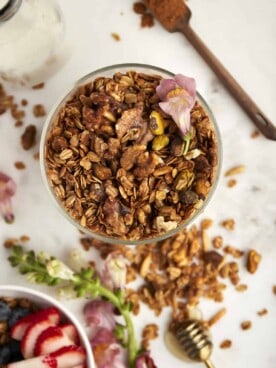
column 235, row 170
column 225, row 344
column 115, row 160
column 39, row 110
column 262, row 312
column 231, row 183
column 28, row 137
column 253, row 260
column 228, row 224
column 176, row 272
column 19, row 165
column 246, row 325
column 116, row 36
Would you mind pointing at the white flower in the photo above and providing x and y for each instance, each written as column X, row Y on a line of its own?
column 58, row 269
column 114, row 272
column 76, row 260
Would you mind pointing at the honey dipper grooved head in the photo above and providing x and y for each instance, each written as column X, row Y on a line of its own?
column 194, row 339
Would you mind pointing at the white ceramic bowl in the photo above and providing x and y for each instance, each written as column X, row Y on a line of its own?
column 44, row 300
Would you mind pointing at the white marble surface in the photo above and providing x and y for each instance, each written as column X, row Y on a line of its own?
column 242, row 34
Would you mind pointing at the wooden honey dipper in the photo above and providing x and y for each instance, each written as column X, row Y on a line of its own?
column 174, row 15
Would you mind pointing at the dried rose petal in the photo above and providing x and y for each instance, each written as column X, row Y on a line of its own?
column 7, row 190
column 100, row 313
column 144, row 361
column 108, row 355
column 103, row 336
column 178, row 97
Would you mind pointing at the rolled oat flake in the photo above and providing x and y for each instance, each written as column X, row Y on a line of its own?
column 31, row 33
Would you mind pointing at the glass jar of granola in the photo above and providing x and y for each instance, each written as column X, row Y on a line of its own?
column 131, row 155
column 31, row 32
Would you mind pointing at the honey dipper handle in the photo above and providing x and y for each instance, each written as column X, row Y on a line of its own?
column 209, row 364
column 253, row 111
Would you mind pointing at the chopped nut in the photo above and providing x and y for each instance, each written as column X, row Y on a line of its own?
column 39, row 110
column 253, row 261
column 231, row 183
column 241, row 287
column 225, row 344
column 206, row 224
column 262, row 312
column 229, row 224
column 38, row 86
column 235, row 170
column 24, row 238
column 236, row 253
column 255, row 134
column 9, row 243
column 213, row 257
column 217, row 317
column 28, row 137
column 246, row 325
column 20, row 165
column 160, row 142
column 145, row 266
column 116, row 36
column 274, row 289
column 217, row 242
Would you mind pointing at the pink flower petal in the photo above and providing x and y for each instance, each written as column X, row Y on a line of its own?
column 165, row 86
column 144, row 361
column 108, row 356
column 100, row 313
column 178, row 96
column 102, row 336
column 187, row 83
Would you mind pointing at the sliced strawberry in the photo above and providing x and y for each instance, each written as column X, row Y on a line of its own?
column 31, row 335
column 50, row 340
column 19, row 328
column 66, row 357
column 69, row 356
column 70, row 330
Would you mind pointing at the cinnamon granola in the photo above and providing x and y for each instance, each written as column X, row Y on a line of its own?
column 112, row 174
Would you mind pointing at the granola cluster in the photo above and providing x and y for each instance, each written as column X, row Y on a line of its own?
column 109, row 170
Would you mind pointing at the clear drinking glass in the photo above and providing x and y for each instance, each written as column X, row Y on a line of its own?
column 31, row 34
column 109, row 72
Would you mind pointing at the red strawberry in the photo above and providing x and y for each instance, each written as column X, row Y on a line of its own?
column 66, row 357
column 70, row 356
column 70, row 330
column 50, row 340
column 19, row 328
column 31, row 335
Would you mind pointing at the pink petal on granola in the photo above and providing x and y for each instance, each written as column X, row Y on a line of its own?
column 7, row 190
column 178, row 97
